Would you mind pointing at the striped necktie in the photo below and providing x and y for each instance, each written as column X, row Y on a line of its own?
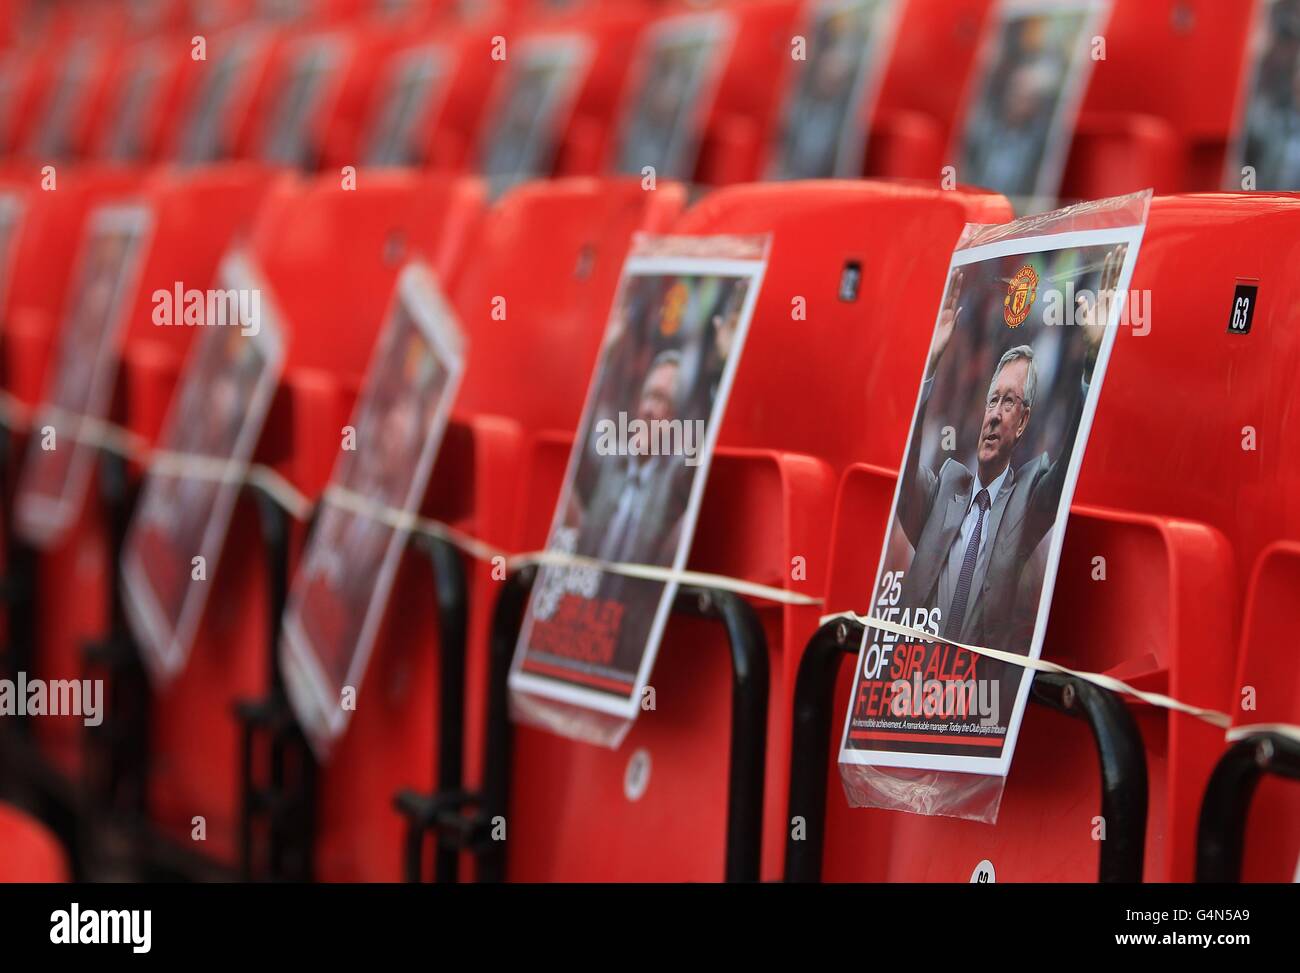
column 962, row 594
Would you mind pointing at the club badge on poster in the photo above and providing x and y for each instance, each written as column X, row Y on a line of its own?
column 341, row 589
column 822, row 132
column 634, row 482
column 174, row 543
column 56, row 471
column 1266, row 153
column 1034, row 64
column 677, row 75
column 1025, row 328
column 536, row 100
column 416, row 81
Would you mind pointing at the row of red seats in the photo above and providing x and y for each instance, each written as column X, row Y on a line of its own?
column 329, row 91
column 1198, row 531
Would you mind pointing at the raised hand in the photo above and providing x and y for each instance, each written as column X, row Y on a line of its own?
column 948, row 315
column 1093, row 312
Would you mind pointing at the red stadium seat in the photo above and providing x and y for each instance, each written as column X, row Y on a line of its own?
column 1137, row 127
column 1140, row 463
column 40, row 259
column 310, row 112
column 1201, row 48
column 569, row 818
column 306, row 236
column 1140, row 503
column 224, row 95
column 1248, row 823
column 552, row 252
column 194, row 220
column 1162, row 635
column 614, row 28
column 1166, row 129
column 446, row 76
column 21, row 75
column 1245, row 237
column 736, row 114
column 63, row 118
column 41, row 251
column 603, row 42
column 920, row 96
column 152, row 80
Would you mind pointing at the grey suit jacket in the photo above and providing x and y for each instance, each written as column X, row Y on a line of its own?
column 931, row 508
column 653, row 541
column 661, row 507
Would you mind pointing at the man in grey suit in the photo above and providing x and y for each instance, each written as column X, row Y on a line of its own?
column 1273, row 138
column 973, row 531
column 1007, row 141
column 634, row 513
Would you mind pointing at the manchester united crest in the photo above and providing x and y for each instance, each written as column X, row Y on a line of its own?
column 1020, row 296
column 673, row 308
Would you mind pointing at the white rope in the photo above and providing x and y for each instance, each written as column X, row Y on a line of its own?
column 122, row 442
column 1211, row 716
column 1259, row 729
column 113, row 438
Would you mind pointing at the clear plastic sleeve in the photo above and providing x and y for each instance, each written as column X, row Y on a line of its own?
column 635, row 480
column 979, row 514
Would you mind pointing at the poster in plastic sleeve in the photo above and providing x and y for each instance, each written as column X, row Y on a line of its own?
column 312, row 83
column 341, row 589
column 127, row 139
column 1025, row 328
column 53, row 136
column 634, row 483
column 174, row 543
column 544, row 74
column 232, row 73
column 416, row 81
column 677, row 76
column 1035, row 62
column 60, row 458
column 822, row 134
column 1266, row 154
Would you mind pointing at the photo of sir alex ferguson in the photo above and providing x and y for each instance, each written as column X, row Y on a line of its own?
column 56, row 474
column 341, row 589
column 821, row 133
column 627, row 499
column 1030, row 81
column 174, row 510
column 660, row 128
column 531, row 111
column 1272, row 130
column 177, row 534
column 980, row 494
column 408, row 92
